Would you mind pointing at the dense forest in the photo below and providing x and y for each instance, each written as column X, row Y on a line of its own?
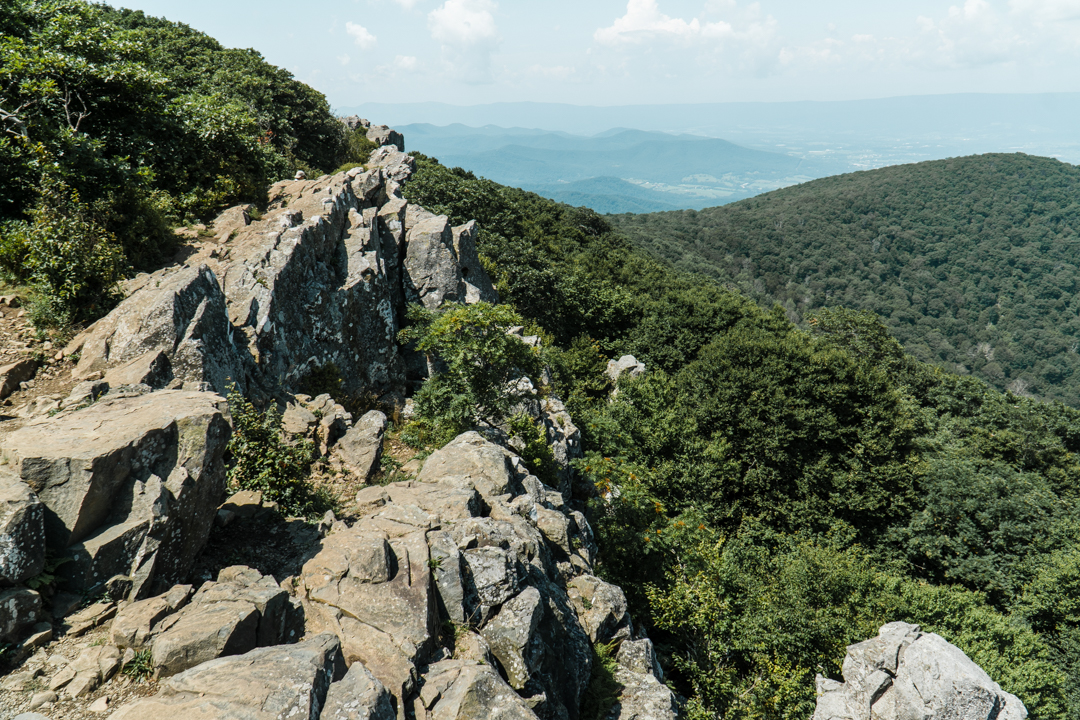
column 772, row 493
column 781, row 481
column 970, row 262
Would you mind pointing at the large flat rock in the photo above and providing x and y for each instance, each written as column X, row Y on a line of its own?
column 129, row 485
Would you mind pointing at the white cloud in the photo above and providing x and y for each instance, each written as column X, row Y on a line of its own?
column 643, row 22
column 468, row 34
column 407, row 4
column 463, row 22
column 344, row 58
column 408, row 63
column 360, row 35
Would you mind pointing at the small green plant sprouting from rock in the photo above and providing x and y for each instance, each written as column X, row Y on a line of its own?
column 263, row 461
column 535, row 453
column 586, row 603
column 603, row 691
column 140, row 667
column 47, row 577
column 435, row 562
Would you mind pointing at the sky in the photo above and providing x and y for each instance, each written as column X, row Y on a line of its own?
column 619, row 52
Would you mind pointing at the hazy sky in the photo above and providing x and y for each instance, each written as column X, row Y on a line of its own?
column 614, row 52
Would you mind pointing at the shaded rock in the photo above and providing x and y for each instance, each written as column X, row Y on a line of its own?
column 358, row 696
column 307, row 286
column 286, row 681
column 360, row 449
column 512, row 637
column 477, row 283
column 449, row 576
column 134, row 624
column 129, row 484
column 19, row 609
column 14, row 373
column 22, row 531
column 905, row 674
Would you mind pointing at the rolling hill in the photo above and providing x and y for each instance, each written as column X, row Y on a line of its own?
column 971, row 262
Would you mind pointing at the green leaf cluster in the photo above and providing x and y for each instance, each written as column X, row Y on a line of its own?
column 483, row 372
column 262, row 460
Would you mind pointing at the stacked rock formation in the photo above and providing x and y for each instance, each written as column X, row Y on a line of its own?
column 906, row 674
column 465, row 592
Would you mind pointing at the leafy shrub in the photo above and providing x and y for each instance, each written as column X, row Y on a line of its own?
column 72, row 263
column 263, row 461
column 535, row 451
column 480, row 381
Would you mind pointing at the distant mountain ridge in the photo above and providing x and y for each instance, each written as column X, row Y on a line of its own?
column 657, row 171
column 971, row 262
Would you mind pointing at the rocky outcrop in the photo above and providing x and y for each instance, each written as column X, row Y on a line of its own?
column 906, row 674
column 129, row 485
column 320, row 279
column 466, row 592
column 286, row 681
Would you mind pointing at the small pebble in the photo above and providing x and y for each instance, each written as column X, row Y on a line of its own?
column 101, row 705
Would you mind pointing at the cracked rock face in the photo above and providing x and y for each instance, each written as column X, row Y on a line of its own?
column 906, row 674
column 129, row 485
column 322, row 278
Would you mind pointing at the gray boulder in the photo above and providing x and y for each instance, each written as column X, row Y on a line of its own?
column 130, row 484
column 180, row 313
column 19, row 610
column 467, row 690
column 473, row 462
column 431, row 272
column 358, row 696
column 906, row 674
column 643, row 696
column 382, row 135
column 626, row 365
column 360, row 449
column 477, row 283
column 14, row 373
column 285, row 681
column 22, row 531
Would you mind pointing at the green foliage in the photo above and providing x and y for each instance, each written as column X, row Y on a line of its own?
column 47, row 577
column 140, row 667
column 148, row 122
column 535, row 451
column 357, row 151
column 603, row 691
column 770, row 493
column 263, row 461
column 484, row 367
column 970, row 262
column 72, row 263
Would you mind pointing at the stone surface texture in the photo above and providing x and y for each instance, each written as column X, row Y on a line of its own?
column 906, row 674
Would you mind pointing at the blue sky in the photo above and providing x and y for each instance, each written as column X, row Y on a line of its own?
column 619, row 52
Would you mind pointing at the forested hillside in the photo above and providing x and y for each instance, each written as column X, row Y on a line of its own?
column 772, row 493
column 117, row 126
column 970, row 262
